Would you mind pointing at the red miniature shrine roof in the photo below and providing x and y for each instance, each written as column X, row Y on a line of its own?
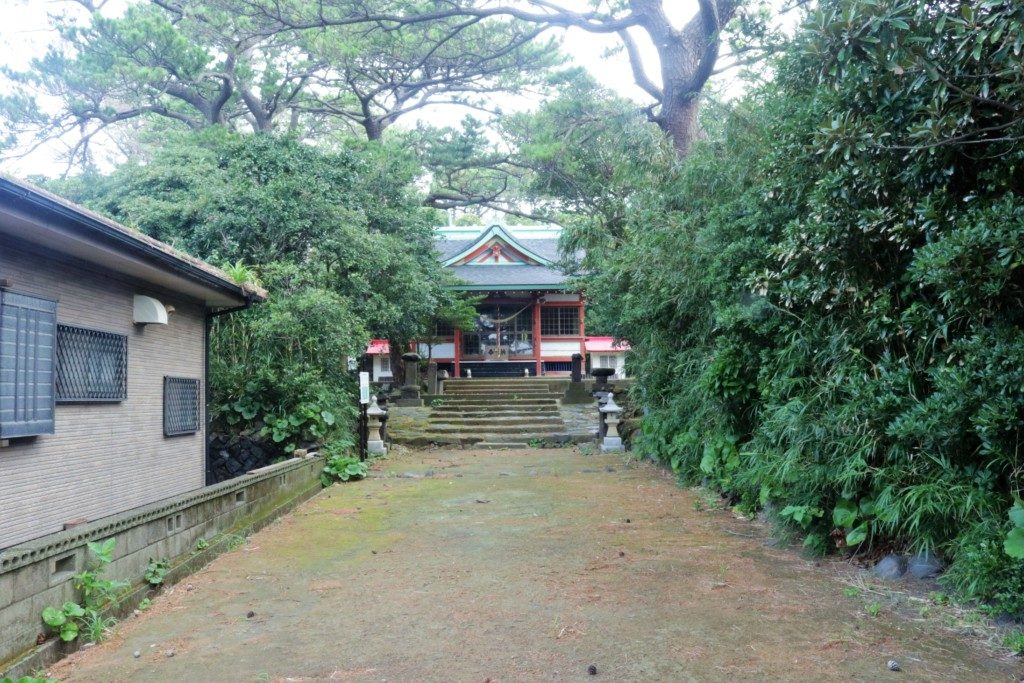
column 606, row 344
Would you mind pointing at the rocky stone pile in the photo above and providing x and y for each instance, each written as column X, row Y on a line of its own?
column 231, row 456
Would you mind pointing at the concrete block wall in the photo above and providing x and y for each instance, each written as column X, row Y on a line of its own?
column 38, row 574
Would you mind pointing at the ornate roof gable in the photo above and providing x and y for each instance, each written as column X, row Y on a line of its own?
column 496, row 247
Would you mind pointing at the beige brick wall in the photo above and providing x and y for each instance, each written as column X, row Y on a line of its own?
column 103, row 458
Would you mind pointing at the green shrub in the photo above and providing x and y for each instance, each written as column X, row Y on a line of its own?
column 824, row 299
column 97, row 593
column 340, row 464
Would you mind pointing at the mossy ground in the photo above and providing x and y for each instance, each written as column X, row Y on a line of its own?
column 467, row 565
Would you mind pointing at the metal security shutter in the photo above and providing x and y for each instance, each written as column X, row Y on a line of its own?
column 181, row 406
column 28, row 327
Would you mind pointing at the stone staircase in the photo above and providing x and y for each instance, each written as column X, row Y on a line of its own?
column 498, row 413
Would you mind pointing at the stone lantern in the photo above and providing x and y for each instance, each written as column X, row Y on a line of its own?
column 611, row 411
column 374, row 436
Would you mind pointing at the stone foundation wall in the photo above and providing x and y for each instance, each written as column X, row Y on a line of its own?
column 39, row 573
column 231, row 456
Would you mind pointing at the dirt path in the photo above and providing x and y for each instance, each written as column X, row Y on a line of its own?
column 519, row 566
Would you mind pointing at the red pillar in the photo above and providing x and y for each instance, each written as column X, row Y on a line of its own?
column 458, row 351
column 583, row 333
column 536, row 335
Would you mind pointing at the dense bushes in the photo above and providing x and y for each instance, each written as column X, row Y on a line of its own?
column 825, row 299
column 337, row 236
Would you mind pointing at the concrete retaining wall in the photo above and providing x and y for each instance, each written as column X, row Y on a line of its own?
column 39, row 573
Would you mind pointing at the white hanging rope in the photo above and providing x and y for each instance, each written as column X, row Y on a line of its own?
column 501, row 321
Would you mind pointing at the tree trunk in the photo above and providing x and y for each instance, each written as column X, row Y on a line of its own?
column 679, row 120
column 374, row 129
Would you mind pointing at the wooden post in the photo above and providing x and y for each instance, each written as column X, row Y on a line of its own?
column 536, row 335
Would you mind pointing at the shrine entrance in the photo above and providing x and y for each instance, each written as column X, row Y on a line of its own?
column 503, row 332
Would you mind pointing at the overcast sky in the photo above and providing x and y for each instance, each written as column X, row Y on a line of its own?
column 25, row 31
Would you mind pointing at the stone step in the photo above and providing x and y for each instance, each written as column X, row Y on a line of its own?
column 531, row 391
column 455, row 428
column 495, row 388
column 498, row 445
column 496, row 400
column 482, row 412
column 472, row 439
column 527, row 438
column 503, row 420
column 505, row 382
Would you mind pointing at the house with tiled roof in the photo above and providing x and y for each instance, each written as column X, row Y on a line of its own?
column 103, row 346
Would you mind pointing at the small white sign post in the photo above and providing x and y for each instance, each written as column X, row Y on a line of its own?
column 364, row 387
column 364, row 399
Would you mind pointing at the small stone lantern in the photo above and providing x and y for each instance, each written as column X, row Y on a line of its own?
column 611, row 442
column 374, row 437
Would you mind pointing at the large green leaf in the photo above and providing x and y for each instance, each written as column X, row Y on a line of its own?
column 1014, row 543
column 69, row 631
column 1017, row 515
column 844, row 514
column 858, row 535
column 54, row 617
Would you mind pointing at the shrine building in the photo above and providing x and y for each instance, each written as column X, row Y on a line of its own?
column 529, row 322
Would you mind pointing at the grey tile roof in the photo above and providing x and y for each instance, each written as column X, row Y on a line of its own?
column 449, row 248
column 497, row 276
column 545, row 248
column 548, row 248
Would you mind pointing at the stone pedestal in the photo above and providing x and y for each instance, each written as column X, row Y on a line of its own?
column 411, row 388
column 374, row 439
column 611, row 442
column 576, row 393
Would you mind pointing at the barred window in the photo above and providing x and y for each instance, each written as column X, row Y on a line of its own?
column 385, row 365
column 443, row 329
column 91, row 365
column 181, row 406
column 560, row 321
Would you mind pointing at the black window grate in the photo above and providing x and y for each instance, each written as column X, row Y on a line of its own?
column 91, row 365
column 181, row 406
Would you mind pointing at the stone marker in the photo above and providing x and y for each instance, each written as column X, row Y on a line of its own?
column 577, row 367
column 432, row 379
column 411, row 388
